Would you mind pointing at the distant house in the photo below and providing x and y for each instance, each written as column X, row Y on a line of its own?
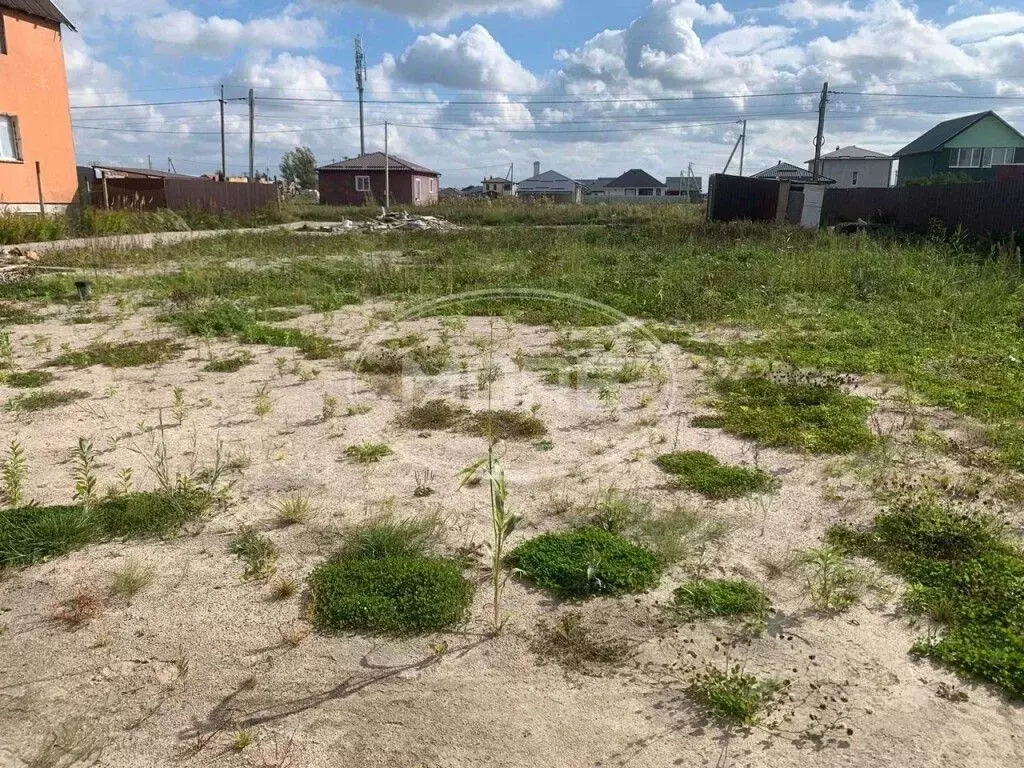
column 634, row 183
column 362, row 180
column 856, row 167
column 37, row 148
column 788, row 172
column 974, row 145
column 683, row 186
column 551, row 185
column 595, row 187
column 118, row 172
column 496, row 187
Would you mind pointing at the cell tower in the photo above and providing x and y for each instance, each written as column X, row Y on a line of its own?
column 360, row 81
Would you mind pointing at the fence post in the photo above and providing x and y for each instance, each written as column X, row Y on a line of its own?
column 782, row 206
column 106, row 194
column 39, row 185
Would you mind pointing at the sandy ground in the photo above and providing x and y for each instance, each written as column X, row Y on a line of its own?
column 167, row 677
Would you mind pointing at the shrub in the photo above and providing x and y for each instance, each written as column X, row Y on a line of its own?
column 586, row 562
column 965, row 573
column 397, row 594
column 29, row 379
column 704, row 598
column 505, row 425
column 734, row 697
column 129, row 354
column 435, row 414
column 810, row 414
column 705, row 474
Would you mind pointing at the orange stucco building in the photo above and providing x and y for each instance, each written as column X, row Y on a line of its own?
column 37, row 145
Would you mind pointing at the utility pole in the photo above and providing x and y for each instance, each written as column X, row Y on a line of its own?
column 819, row 139
column 360, row 81
column 252, row 136
column 149, row 161
column 223, row 146
column 743, row 145
column 387, row 170
column 170, row 165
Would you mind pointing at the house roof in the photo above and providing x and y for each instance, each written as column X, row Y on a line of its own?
column 146, row 172
column 375, row 161
column 853, row 153
column 498, row 180
column 637, row 178
column 946, row 131
column 684, row 183
column 549, row 181
column 595, row 185
column 42, row 9
column 789, row 172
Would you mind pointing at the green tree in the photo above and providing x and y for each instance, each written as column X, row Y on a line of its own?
column 299, row 166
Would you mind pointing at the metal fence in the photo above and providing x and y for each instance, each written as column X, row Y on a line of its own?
column 184, row 194
column 732, row 198
column 990, row 207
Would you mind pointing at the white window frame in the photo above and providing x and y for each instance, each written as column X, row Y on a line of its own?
column 363, row 184
column 973, row 157
column 15, row 136
column 433, row 187
column 418, row 187
column 997, row 156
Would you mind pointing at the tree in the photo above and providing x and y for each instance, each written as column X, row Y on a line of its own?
column 299, row 166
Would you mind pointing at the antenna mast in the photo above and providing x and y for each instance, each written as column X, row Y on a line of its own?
column 360, row 82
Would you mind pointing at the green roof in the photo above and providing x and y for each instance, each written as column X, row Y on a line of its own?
column 946, row 131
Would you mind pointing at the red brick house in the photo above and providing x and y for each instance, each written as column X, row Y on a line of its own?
column 361, row 180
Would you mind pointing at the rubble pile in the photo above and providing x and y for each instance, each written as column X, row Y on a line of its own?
column 16, row 263
column 386, row 222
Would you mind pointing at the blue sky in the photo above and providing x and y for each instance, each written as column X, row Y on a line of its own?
column 589, row 87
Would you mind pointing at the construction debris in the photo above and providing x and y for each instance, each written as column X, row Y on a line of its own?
column 386, row 222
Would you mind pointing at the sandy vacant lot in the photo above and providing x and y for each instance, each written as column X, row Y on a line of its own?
column 171, row 675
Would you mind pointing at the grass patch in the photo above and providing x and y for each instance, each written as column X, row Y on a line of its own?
column 814, row 415
column 586, row 562
column 394, row 358
column 704, row 473
column 258, row 552
column 434, row 415
column 129, row 354
column 966, row 573
column 28, row 379
column 130, row 580
column 369, row 452
column 704, row 598
column 734, row 697
column 12, row 314
column 44, row 400
column 387, row 578
column 230, row 364
column 31, row 534
column 505, row 425
column 574, row 645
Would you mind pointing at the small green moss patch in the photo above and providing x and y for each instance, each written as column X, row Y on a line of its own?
column 230, row 364
column 29, row 379
column 505, row 425
column 587, row 562
column 705, row 474
column 705, row 598
column 435, row 414
column 129, row 354
column 44, row 400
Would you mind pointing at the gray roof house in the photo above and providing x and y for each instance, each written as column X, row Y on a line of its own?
column 595, row 187
column 856, row 167
column 782, row 171
column 681, row 186
column 634, row 183
column 552, row 185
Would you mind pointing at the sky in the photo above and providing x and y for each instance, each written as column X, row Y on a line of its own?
column 474, row 88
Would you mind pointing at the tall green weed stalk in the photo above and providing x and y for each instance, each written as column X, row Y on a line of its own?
column 14, row 473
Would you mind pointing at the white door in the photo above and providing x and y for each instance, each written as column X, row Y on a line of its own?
column 416, row 196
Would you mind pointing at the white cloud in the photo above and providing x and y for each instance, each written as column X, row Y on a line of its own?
column 184, row 33
column 814, row 11
column 471, row 61
column 82, row 12
column 286, row 72
column 440, row 12
column 982, row 27
column 753, row 39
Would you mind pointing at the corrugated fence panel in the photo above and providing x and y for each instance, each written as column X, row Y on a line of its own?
column 731, row 198
column 139, row 194
column 991, row 207
column 201, row 195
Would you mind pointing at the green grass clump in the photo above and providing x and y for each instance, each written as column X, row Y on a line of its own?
column 703, row 598
column 966, row 573
column 44, row 400
column 392, row 359
column 702, row 472
column 29, row 379
column 505, row 425
column 129, row 354
column 387, row 578
column 368, row 452
column 229, row 364
column 812, row 415
column 435, row 414
column 31, row 534
column 258, row 552
column 734, row 697
column 586, row 562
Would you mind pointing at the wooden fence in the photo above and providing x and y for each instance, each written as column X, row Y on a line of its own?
column 983, row 208
column 731, row 198
column 184, row 194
